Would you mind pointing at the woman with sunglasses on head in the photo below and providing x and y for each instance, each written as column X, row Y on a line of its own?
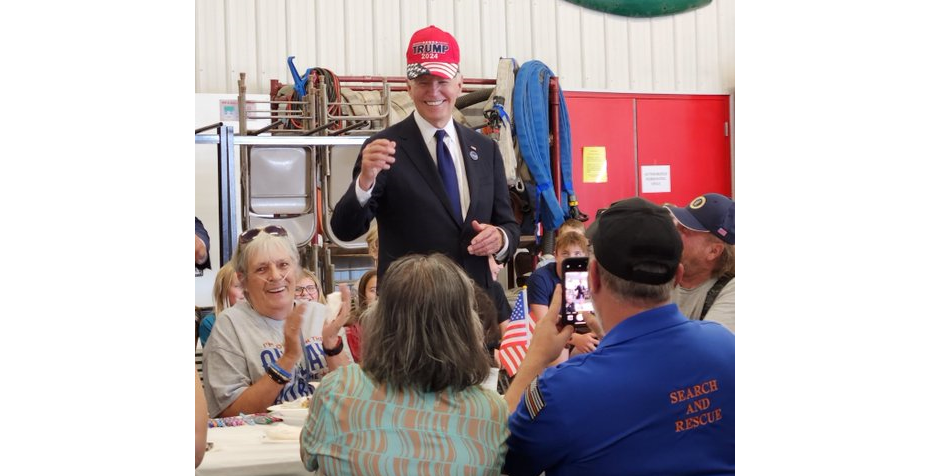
column 266, row 350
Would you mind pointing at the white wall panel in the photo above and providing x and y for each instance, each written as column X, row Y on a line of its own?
column 387, row 40
column 301, row 36
column 570, row 61
column 413, row 17
column 707, row 49
column 544, row 33
column 330, row 18
column 726, row 39
column 440, row 13
column 662, row 52
column 467, row 32
column 492, row 35
column 358, row 39
column 241, row 47
column 693, row 52
column 594, row 74
column 271, row 43
column 684, row 43
column 211, row 47
column 519, row 30
column 642, row 57
column 617, row 63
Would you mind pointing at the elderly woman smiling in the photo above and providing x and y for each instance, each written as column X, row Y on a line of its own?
column 266, row 350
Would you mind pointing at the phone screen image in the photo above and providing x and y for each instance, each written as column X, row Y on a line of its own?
column 577, row 298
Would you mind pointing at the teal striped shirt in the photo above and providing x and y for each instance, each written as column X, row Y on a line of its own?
column 357, row 427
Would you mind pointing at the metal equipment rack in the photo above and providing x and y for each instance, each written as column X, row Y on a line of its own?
column 225, row 140
column 313, row 122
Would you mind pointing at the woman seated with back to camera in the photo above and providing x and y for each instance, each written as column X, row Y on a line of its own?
column 265, row 350
column 414, row 405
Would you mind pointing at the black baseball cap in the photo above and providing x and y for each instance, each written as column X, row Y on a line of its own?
column 634, row 233
column 710, row 212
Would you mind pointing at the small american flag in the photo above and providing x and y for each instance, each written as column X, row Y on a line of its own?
column 517, row 336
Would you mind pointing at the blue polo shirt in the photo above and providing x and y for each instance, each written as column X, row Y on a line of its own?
column 541, row 285
column 656, row 397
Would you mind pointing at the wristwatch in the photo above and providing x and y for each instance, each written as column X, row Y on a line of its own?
column 337, row 350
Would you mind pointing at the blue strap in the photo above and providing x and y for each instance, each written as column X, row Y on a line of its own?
column 531, row 102
column 299, row 83
column 502, row 114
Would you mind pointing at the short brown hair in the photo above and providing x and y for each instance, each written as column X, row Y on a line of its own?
column 423, row 332
column 572, row 225
column 571, row 238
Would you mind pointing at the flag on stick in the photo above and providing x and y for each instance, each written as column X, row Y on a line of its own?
column 517, row 336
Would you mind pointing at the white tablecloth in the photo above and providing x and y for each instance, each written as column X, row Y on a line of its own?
column 245, row 450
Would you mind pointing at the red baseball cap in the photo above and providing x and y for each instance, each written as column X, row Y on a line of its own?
column 433, row 51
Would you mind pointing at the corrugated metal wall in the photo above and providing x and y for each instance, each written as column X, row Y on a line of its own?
column 691, row 52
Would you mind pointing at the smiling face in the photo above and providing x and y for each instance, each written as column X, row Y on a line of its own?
column 270, row 282
column 434, row 97
column 309, row 290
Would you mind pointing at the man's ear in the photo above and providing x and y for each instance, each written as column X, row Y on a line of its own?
column 678, row 275
column 716, row 249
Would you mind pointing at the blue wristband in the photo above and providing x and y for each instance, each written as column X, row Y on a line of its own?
column 281, row 371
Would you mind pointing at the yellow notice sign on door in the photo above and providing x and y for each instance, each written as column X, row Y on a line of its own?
column 594, row 165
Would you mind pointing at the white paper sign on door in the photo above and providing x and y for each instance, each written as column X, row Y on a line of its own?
column 655, row 178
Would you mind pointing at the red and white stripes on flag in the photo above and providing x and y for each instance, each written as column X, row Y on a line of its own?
column 448, row 69
column 517, row 336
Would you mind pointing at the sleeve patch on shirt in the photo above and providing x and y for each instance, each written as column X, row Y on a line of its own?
column 534, row 400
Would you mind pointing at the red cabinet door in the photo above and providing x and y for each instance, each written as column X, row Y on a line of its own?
column 689, row 134
column 602, row 120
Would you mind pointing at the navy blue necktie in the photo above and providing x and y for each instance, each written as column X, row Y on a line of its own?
column 448, row 173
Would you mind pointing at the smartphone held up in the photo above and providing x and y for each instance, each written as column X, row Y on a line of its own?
column 576, row 297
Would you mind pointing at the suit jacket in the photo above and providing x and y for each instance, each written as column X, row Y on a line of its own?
column 200, row 231
column 410, row 202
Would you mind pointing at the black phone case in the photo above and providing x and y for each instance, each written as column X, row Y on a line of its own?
column 571, row 264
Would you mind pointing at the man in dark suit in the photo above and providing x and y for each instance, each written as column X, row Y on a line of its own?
column 433, row 185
